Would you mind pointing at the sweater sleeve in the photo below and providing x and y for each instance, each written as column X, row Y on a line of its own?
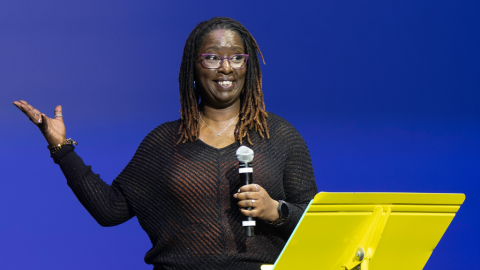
column 106, row 203
column 298, row 179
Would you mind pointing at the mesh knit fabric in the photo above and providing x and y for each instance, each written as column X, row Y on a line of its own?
column 182, row 196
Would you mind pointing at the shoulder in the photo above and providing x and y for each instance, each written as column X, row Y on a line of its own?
column 284, row 134
column 167, row 128
column 278, row 126
column 164, row 135
column 277, row 120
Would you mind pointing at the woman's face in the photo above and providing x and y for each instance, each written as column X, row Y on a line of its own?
column 220, row 88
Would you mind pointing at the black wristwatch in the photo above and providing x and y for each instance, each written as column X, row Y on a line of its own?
column 283, row 212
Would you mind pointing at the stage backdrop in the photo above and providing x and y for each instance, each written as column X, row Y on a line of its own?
column 385, row 93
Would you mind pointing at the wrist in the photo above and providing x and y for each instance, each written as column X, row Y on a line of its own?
column 283, row 212
column 55, row 148
column 56, row 142
column 273, row 215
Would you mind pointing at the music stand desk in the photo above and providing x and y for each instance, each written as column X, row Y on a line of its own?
column 394, row 231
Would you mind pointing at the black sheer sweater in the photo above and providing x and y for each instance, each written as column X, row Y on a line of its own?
column 182, row 196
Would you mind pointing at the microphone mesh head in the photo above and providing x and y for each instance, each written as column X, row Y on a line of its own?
column 244, row 154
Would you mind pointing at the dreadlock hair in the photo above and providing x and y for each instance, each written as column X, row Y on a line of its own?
column 252, row 107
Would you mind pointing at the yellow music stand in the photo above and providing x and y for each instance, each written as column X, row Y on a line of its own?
column 394, row 231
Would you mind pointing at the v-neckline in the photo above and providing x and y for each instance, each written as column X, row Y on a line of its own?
column 218, row 149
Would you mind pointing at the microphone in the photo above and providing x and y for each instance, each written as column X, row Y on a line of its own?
column 245, row 157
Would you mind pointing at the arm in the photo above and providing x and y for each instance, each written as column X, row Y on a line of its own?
column 105, row 203
column 298, row 181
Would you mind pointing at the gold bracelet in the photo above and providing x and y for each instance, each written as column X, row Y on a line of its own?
column 55, row 148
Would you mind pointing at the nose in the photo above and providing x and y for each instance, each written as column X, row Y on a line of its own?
column 225, row 67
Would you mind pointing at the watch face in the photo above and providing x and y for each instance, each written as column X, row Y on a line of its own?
column 284, row 209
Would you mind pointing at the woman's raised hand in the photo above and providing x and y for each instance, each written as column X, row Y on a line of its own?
column 52, row 129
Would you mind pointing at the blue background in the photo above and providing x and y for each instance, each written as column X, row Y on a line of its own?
column 385, row 93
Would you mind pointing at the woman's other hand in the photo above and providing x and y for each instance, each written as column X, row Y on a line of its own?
column 263, row 207
column 52, row 129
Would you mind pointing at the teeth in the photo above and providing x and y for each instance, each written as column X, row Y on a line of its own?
column 225, row 83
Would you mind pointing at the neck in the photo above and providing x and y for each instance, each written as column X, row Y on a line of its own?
column 222, row 114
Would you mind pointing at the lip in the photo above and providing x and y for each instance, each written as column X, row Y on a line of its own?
column 223, row 80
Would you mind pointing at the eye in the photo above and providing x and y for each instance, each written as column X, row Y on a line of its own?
column 237, row 57
column 211, row 57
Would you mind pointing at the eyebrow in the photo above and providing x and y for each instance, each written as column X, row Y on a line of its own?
column 218, row 48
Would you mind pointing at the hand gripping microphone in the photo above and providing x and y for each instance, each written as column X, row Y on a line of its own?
column 245, row 157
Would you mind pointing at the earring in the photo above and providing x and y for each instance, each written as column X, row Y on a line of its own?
column 193, row 84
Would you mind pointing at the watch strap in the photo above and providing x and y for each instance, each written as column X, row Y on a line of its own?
column 281, row 217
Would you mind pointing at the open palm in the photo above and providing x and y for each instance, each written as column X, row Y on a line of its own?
column 53, row 129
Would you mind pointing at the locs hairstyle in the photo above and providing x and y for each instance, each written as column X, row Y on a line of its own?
column 252, row 107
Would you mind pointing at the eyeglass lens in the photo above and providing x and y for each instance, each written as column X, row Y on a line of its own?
column 237, row 61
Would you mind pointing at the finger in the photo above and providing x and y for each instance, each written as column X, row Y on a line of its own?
column 26, row 105
column 248, row 203
column 58, row 114
column 250, row 213
column 44, row 123
column 251, row 187
column 19, row 106
column 23, row 102
column 39, row 121
column 248, row 196
column 28, row 110
column 36, row 118
column 35, row 112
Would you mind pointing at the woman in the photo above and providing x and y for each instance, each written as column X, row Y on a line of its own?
column 183, row 183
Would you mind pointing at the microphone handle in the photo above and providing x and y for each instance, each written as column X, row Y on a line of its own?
column 246, row 177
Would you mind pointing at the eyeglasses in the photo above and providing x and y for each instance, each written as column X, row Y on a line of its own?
column 236, row 61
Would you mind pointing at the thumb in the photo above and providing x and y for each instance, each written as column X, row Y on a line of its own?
column 58, row 114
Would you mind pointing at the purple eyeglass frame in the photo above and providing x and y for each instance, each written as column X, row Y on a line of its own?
column 223, row 58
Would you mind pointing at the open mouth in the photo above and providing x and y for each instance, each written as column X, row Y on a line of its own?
column 225, row 83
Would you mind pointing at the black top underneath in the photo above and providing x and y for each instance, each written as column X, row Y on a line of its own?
column 182, row 196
